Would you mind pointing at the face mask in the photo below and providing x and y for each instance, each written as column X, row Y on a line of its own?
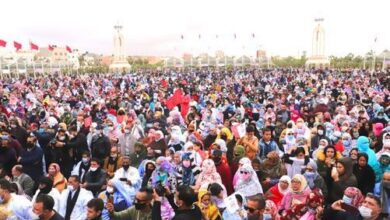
column 13, row 126
column 139, row 206
column 309, row 174
column 61, row 138
column 186, row 163
column 1, row 200
column 344, row 128
column 320, row 132
column 355, row 135
column 290, row 137
column 127, row 131
column 267, row 216
column 110, row 189
column 111, row 128
column 245, row 176
column 71, row 188
column 125, row 167
column 347, row 200
column 93, row 169
column 113, row 155
column 85, row 160
column 365, row 212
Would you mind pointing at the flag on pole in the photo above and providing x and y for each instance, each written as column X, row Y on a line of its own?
column 68, row 49
column 51, row 48
column 3, row 43
column 33, row 46
column 17, row 45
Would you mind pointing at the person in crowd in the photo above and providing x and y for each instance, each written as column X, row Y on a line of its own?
column 113, row 162
column 100, row 144
column 43, row 209
column 208, row 175
column 117, row 194
column 82, row 166
column 370, row 209
column 278, row 191
column 95, row 178
column 60, row 153
column 250, row 143
column 59, row 181
column 15, row 206
column 187, row 172
column 32, row 159
column 45, row 186
column 129, row 175
column 274, row 169
column 95, row 209
column 314, row 179
column 270, row 210
column 239, row 214
column 364, row 174
column 149, row 167
column 208, row 208
column 141, row 209
column 255, row 207
column 297, row 195
column 7, row 155
column 248, row 183
column 77, row 143
column 23, row 180
column 74, row 200
column 343, row 177
column 353, row 196
column 223, row 170
column 138, row 155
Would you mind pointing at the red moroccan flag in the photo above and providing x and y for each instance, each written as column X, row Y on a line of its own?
column 17, row 45
column 33, row 46
column 3, row 43
column 68, row 49
column 51, row 48
column 175, row 99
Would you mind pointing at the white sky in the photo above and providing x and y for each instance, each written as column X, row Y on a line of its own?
column 154, row 27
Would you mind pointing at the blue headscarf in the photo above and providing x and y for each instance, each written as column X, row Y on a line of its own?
column 123, row 193
column 363, row 145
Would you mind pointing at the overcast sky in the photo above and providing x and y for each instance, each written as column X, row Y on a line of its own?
column 154, row 27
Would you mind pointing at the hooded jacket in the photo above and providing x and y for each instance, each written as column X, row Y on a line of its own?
column 346, row 179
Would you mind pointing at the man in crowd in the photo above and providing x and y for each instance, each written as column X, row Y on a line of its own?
column 23, row 180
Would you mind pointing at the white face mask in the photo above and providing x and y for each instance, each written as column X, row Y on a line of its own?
column 347, row 200
column 320, row 132
column 110, row 189
column 70, row 187
column 365, row 212
column 93, row 169
column 33, row 216
column 61, row 138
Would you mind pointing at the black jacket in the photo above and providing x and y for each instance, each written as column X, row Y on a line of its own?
column 100, row 147
column 95, row 180
column 78, row 145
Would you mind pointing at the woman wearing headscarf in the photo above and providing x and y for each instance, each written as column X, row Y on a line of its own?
column 208, row 175
column 278, row 191
column 314, row 204
column 353, row 196
column 120, row 196
column 248, row 184
column 241, row 163
column 273, row 167
column 314, row 179
column 363, row 145
column 164, row 174
column 364, row 174
column 209, row 210
column 149, row 167
column 59, row 181
column 297, row 195
column 270, row 211
column 385, row 145
column 343, row 177
column 238, row 153
column 187, row 172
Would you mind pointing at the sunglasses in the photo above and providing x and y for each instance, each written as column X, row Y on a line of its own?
column 251, row 210
column 244, row 172
column 290, row 134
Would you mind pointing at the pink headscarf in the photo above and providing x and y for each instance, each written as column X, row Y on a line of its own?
column 377, row 129
column 269, row 204
column 209, row 174
column 358, row 197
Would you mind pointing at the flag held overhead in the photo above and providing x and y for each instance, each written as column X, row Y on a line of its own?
column 3, row 43
column 68, row 49
column 33, row 46
column 17, row 45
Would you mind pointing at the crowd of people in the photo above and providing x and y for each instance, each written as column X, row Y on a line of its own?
column 254, row 144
